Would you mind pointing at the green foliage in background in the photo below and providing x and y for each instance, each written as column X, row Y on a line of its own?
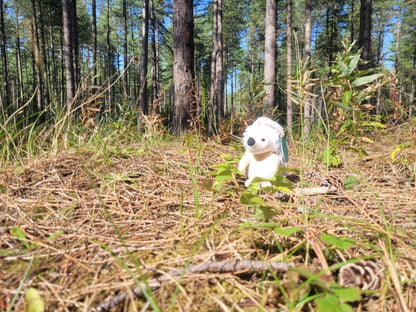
column 349, row 97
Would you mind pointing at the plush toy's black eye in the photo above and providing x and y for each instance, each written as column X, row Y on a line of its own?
column 263, row 139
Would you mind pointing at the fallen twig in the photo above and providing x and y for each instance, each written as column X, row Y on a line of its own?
column 229, row 266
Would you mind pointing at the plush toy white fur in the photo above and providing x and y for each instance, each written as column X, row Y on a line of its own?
column 265, row 150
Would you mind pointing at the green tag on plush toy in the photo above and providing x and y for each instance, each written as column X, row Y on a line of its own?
column 284, row 150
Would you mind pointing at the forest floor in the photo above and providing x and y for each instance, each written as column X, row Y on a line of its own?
column 83, row 226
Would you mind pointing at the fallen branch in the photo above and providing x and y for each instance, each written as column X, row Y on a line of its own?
column 229, row 266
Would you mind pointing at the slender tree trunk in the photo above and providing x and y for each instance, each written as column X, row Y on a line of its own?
column 216, row 103
column 307, row 105
column 125, row 61
column 109, row 61
column 75, row 43
column 53, row 67
column 212, row 105
column 398, row 28
column 270, row 57
column 5, row 87
column 44, row 69
column 143, row 101
column 36, row 57
column 289, row 107
column 219, row 70
column 352, row 13
column 364, row 40
column 69, row 64
column 94, row 41
column 183, row 72
column 155, row 57
column 412, row 104
column 18, row 56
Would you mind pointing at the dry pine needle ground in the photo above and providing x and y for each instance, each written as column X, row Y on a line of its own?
column 79, row 225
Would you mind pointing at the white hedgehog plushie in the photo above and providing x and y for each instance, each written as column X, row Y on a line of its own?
column 266, row 150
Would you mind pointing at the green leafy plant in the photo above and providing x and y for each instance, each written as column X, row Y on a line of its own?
column 262, row 210
column 21, row 236
column 224, row 176
column 348, row 97
column 330, row 157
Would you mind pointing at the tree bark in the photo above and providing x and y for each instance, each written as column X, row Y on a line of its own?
column 18, row 56
column 69, row 65
column 307, row 105
column 4, row 61
column 155, row 57
column 270, row 57
column 216, row 103
column 364, row 41
column 44, row 69
column 219, row 70
column 125, row 61
column 289, row 107
column 143, row 102
column 75, row 43
column 109, row 61
column 183, row 72
column 94, row 41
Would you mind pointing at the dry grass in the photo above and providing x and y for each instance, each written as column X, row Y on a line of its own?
column 89, row 220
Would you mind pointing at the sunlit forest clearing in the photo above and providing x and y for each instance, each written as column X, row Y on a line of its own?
column 86, row 224
column 121, row 127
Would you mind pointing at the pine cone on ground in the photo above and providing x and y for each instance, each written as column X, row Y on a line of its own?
column 364, row 274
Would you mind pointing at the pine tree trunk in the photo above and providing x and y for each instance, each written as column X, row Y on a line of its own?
column 398, row 27
column 69, row 65
column 289, row 107
column 155, row 59
column 44, row 69
column 270, row 57
column 216, row 105
column 219, row 70
column 412, row 103
column 75, row 43
column 94, row 41
column 109, row 60
column 183, row 72
column 125, row 61
column 5, row 87
column 143, row 102
column 364, row 40
column 213, row 103
column 307, row 105
column 18, row 57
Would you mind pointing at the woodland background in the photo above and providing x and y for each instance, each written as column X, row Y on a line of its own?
column 113, row 61
column 120, row 126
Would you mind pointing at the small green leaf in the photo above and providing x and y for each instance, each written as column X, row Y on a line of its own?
column 342, row 66
column 263, row 213
column 346, row 98
column 330, row 158
column 264, row 225
column 287, row 231
column 354, row 62
column 331, row 304
column 248, row 198
column 20, row 235
column 366, row 79
column 55, row 234
column 339, row 242
column 350, row 182
column 346, row 294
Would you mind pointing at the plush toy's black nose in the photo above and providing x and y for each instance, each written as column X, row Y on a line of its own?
column 251, row 141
